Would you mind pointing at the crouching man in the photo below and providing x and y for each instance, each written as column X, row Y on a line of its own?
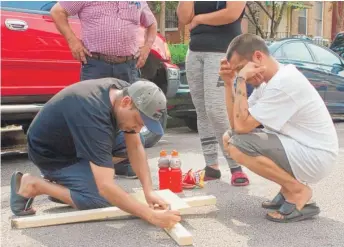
column 76, row 139
column 298, row 144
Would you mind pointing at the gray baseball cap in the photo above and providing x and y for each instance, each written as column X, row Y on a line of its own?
column 150, row 100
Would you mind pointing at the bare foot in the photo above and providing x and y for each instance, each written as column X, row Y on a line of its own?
column 27, row 186
column 300, row 199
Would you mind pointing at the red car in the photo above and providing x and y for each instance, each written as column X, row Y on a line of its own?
column 36, row 63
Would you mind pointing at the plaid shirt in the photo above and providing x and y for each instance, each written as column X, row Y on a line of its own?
column 111, row 28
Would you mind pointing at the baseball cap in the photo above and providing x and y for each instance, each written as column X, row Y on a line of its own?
column 150, row 100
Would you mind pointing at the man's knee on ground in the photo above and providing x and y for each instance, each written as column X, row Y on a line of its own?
column 88, row 201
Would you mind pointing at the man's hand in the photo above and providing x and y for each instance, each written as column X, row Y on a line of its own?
column 227, row 73
column 251, row 71
column 165, row 219
column 155, row 201
column 78, row 50
column 143, row 55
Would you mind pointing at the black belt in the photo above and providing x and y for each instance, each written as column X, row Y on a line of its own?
column 111, row 58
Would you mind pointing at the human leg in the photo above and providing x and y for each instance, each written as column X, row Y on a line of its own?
column 215, row 106
column 263, row 154
column 194, row 74
column 126, row 71
column 95, row 69
column 73, row 185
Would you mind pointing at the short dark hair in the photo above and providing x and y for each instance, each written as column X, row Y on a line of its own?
column 245, row 45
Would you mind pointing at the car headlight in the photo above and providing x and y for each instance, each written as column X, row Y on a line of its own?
column 173, row 74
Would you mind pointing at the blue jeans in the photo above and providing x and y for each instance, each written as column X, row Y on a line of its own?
column 96, row 69
column 79, row 179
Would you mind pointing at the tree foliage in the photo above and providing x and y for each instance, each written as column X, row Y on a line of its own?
column 273, row 10
column 155, row 6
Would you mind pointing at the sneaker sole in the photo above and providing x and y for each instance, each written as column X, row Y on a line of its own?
column 210, row 178
column 129, row 177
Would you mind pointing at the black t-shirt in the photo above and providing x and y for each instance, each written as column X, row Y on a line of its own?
column 77, row 123
column 208, row 38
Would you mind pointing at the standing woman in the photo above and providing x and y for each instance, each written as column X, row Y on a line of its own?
column 213, row 25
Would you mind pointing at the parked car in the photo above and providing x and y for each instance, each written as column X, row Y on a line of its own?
column 323, row 67
column 37, row 63
column 338, row 44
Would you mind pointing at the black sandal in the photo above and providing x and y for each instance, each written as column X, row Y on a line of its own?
column 275, row 203
column 291, row 214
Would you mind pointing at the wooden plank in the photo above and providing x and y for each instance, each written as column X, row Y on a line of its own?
column 95, row 214
column 179, row 234
column 176, row 203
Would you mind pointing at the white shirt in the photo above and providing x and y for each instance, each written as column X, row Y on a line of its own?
column 289, row 106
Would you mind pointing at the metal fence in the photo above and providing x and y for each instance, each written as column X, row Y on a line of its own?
column 171, row 19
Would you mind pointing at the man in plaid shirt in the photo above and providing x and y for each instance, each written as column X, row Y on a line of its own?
column 109, row 45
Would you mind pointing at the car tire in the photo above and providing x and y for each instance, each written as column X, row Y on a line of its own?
column 150, row 138
column 191, row 123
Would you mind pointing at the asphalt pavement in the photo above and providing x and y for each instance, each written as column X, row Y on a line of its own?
column 236, row 220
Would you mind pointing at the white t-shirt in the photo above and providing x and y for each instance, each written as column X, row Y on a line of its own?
column 289, row 106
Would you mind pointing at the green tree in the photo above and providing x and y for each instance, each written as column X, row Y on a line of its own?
column 273, row 10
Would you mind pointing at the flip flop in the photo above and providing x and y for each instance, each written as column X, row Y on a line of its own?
column 278, row 201
column 241, row 176
column 291, row 214
column 20, row 205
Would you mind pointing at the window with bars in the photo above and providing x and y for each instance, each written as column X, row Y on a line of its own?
column 302, row 28
column 318, row 18
column 171, row 19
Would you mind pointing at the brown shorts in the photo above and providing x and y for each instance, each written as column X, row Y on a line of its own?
column 259, row 143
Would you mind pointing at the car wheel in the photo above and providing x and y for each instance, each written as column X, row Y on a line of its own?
column 150, row 138
column 191, row 123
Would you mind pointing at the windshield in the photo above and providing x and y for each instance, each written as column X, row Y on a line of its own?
column 338, row 45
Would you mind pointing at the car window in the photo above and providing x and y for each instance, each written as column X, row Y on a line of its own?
column 29, row 5
column 279, row 54
column 297, row 51
column 338, row 44
column 323, row 56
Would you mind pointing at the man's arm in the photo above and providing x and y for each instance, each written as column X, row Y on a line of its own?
column 243, row 121
column 185, row 11
column 229, row 96
column 60, row 17
column 228, row 15
column 138, row 160
column 151, row 35
column 147, row 19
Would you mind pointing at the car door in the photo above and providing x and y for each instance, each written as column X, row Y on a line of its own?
column 333, row 73
column 297, row 53
column 36, row 59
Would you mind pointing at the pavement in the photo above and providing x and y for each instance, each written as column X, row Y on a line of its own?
column 236, row 220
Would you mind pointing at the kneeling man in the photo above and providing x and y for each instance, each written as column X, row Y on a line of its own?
column 76, row 139
column 299, row 143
